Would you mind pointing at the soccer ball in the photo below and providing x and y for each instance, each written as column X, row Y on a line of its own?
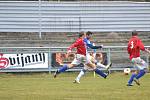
column 127, row 71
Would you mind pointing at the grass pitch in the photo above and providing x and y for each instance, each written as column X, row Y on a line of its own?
column 42, row 86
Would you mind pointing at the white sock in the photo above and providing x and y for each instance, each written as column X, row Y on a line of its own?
column 101, row 65
column 80, row 75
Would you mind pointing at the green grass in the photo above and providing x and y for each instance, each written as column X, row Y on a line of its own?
column 42, row 86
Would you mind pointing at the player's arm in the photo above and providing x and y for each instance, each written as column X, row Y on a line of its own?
column 141, row 45
column 143, row 48
column 69, row 50
column 148, row 51
column 94, row 47
column 75, row 44
column 90, row 45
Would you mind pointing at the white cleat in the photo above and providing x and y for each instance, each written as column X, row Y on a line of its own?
column 76, row 81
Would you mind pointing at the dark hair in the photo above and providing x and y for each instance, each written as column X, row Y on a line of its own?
column 81, row 34
column 134, row 33
column 89, row 33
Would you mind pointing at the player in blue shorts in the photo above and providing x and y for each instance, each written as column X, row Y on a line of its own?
column 135, row 45
column 81, row 45
column 91, row 64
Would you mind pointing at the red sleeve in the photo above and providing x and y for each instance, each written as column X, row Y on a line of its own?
column 141, row 45
column 74, row 45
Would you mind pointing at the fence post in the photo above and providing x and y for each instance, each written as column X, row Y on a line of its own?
column 147, row 59
column 39, row 4
column 49, row 59
column 108, row 54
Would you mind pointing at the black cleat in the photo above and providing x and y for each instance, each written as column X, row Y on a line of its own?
column 108, row 66
column 107, row 74
column 105, row 77
column 137, row 81
column 129, row 85
column 55, row 74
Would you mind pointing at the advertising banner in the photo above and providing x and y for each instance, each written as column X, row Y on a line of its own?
column 60, row 58
column 32, row 60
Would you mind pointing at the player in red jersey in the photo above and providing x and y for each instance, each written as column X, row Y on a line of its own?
column 80, row 54
column 134, row 46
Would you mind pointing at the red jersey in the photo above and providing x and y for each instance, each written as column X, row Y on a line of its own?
column 79, row 44
column 134, row 47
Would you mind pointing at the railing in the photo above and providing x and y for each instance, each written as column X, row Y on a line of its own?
column 24, row 59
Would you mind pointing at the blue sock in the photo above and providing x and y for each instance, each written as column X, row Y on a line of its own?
column 99, row 72
column 62, row 69
column 131, row 78
column 140, row 74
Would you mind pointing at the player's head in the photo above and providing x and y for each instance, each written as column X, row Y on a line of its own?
column 134, row 33
column 89, row 34
column 81, row 34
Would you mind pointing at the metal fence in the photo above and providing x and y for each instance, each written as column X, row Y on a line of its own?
column 115, row 54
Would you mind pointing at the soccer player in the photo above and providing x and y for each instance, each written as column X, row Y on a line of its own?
column 98, row 64
column 82, row 55
column 90, row 64
column 134, row 46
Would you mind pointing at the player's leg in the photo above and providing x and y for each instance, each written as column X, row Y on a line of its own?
column 81, row 59
column 131, row 79
column 66, row 67
column 143, row 67
column 82, row 72
column 138, row 76
column 92, row 65
column 134, row 61
column 63, row 69
column 77, row 60
column 97, row 71
column 103, row 66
